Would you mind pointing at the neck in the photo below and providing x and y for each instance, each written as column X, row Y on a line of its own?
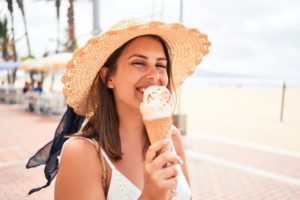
column 131, row 125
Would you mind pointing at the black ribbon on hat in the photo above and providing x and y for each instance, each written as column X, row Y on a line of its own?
column 48, row 154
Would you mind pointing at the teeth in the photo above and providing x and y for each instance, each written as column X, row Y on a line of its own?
column 142, row 89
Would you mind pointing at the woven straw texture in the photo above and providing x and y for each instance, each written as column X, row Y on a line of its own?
column 187, row 46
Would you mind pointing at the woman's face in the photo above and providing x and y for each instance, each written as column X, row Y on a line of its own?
column 141, row 64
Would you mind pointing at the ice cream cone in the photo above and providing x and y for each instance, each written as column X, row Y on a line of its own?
column 156, row 110
column 159, row 129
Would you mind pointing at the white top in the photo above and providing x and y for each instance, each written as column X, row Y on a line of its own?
column 122, row 188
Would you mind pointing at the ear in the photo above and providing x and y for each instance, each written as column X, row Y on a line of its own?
column 103, row 72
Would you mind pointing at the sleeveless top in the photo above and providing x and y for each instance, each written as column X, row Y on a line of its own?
column 122, row 188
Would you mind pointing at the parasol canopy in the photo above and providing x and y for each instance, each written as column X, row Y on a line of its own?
column 51, row 63
column 9, row 65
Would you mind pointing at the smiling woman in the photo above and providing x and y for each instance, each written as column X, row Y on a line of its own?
column 144, row 58
column 105, row 82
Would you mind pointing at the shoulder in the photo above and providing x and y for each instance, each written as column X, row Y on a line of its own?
column 76, row 150
column 78, row 145
column 79, row 171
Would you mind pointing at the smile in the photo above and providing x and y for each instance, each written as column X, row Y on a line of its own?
column 141, row 89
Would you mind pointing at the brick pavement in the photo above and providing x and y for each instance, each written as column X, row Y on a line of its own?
column 217, row 180
column 272, row 162
column 22, row 133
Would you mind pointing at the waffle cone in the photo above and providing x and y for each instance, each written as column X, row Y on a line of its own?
column 159, row 129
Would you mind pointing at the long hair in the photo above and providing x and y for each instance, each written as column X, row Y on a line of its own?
column 104, row 125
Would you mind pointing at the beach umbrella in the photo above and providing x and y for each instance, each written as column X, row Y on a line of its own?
column 56, row 61
column 51, row 63
column 9, row 65
column 30, row 65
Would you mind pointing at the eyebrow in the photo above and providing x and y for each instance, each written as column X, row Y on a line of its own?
column 144, row 57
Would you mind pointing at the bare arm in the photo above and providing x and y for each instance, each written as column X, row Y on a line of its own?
column 178, row 144
column 80, row 172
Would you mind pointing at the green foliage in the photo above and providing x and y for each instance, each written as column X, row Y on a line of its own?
column 3, row 29
column 4, row 39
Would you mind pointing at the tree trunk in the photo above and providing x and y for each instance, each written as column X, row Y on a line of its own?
column 71, row 44
column 15, row 56
column 21, row 6
column 8, row 77
column 5, row 55
column 10, row 8
column 14, row 75
column 57, row 4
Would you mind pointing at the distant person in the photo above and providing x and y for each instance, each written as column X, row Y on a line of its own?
column 5, row 86
column 38, row 87
column 111, row 157
column 27, row 87
column 33, row 94
column 3, row 91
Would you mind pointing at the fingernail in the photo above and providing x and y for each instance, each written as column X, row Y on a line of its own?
column 167, row 141
column 180, row 161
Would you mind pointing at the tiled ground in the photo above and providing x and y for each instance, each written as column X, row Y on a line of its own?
column 22, row 133
column 272, row 162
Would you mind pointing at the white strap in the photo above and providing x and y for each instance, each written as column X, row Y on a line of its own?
column 107, row 159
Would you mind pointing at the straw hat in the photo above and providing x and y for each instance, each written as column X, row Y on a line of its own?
column 187, row 46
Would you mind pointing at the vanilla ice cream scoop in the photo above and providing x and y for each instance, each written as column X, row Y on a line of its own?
column 157, row 103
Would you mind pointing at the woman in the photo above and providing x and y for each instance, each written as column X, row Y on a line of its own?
column 104, row 82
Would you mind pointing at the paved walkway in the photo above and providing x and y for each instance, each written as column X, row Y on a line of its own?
column 220, row 168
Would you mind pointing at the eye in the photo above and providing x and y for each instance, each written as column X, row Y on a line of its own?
column 161, row 66
column 138, row 63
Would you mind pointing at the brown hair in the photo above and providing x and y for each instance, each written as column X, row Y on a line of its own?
column 104, row 125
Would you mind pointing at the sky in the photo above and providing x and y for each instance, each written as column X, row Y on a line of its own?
column 258, row 37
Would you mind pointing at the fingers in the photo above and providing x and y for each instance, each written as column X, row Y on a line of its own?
column 171, row 185
column 168, row 172
column 166, row 158
column 161, row 171
column 154, row 149
column 172, row 194
column 165, row 189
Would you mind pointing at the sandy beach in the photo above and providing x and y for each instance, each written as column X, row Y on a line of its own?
column 250, row 114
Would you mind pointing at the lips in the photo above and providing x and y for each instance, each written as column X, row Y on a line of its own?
column 143, row 87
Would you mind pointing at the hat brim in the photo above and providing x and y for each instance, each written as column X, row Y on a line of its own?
column 186, row 48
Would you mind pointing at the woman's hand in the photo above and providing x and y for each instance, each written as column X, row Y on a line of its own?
column 160, row 182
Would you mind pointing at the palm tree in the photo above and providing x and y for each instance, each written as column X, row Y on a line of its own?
column 71, row 44
column 13, row 43
column 57, row 4
column 21, row 6
column 4, row 39
column 10, row 8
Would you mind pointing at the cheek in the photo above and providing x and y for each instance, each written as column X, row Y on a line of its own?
column 125, row 87
column 164, row 78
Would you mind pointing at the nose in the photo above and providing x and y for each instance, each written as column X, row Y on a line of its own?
column 152, row 73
